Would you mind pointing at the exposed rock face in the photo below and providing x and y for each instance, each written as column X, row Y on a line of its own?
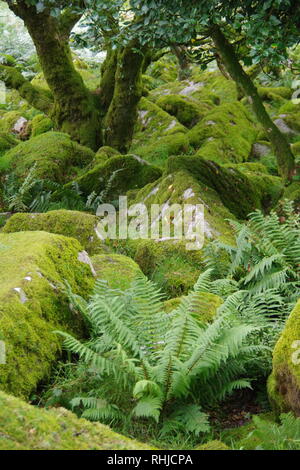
column 34, row 266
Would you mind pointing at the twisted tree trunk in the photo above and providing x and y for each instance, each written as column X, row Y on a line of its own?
column 282, row 149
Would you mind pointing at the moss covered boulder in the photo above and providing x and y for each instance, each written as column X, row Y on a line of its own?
column 25, row 427
column 40, row 124
column 187, row 111
column 226, row 134
column 268, row 188
column 116, row 176
column 79, row 225
column 7, row 142
column 8, row 121
column 104, row 154
column 284, row 383
column 168, row 262
column 234, row 188
column 118, row 270
column 34, row 265
column 55, row 156
column 157, row 134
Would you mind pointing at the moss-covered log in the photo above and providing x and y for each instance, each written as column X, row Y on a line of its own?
column 282, row 149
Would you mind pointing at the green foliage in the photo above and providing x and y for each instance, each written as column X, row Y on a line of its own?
column 271, row 436
column 168, row 367
column 266, row 256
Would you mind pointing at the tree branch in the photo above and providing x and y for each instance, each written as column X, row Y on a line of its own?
column 35, row 96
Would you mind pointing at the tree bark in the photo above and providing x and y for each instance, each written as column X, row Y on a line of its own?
column 282, row 149
column 183, row 61
column 36, row 97
column 74, row 110
column 122, row 113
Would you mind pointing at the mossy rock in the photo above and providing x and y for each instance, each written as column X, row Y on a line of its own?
column 213, row 445
column 187, row 111
column 130, row 172
column 73, row 224
column 118, row 270
column 26, row 427
column 34, row 265
column 268, row 188
column 275, row 93
column 174, row 269
column 104, row 154
column 8, row 120
column 168, row 262
column 7, row 142
column 157, row 134
column 55, row 156
column 292, row 192
column 284, row 383
column 205, row 87
column 208, row 306
column 164, row 69
column 234, row 188
column 40, row 124
column 226, row 134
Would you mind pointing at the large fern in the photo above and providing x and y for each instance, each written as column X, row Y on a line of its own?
column 169, row 366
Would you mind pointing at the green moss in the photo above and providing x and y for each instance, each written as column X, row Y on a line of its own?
column 276, row 93
column 215, row 84
column 209, row 305
column 268, row 188
column 40, row 124
column 234, row 188
column 7, row 142
column 164, row 69
column 104, row 154
column 25, row 427
column 153, row 123
column 226, row 134
column 158, row 152
column 284, row 384
column 117, row 270
column 8, row 120
column 36, row 264
column 73, row 224
column 132, row 173
column 174, row 268
column 55, row 155
column 292, row 192
column 213, row 445
column 187, row 111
